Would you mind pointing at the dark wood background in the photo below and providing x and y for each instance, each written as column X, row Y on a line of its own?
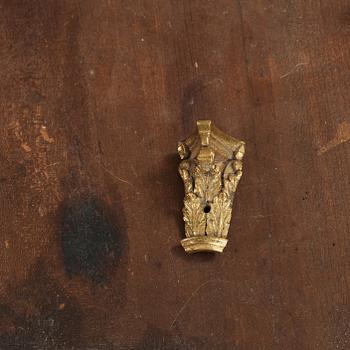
column 94, row 96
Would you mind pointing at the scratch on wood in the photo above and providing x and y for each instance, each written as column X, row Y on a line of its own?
column 45, row 134
column 173, row 265
column 293, row 70
column 342, row 135
column 26, row 147
column 112, row 174
column 191, row 297
column 214, row 81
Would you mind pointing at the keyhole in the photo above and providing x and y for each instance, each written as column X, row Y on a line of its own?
column 207, row 209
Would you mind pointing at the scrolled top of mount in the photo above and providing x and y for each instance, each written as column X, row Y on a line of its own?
column 211, row 168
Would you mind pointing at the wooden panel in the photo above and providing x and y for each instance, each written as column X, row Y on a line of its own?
column 94, row 96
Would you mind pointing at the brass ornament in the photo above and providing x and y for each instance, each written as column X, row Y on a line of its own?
column 211, row 168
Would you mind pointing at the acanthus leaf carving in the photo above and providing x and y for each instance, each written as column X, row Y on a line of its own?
column 193, row 216
column 219, row 217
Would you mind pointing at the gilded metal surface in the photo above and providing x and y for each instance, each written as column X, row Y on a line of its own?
column 211, row 168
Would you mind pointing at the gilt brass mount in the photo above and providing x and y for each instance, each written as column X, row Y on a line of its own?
column 211, row 168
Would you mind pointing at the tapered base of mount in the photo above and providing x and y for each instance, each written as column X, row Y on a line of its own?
column 204, row 244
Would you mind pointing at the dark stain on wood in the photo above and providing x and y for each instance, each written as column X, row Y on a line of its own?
column 92, row 241
column 39, row 314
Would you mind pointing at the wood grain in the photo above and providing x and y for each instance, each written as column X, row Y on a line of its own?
column 94, row 96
